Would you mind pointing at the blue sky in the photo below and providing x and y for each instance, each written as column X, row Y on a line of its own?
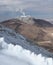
column 38, row 8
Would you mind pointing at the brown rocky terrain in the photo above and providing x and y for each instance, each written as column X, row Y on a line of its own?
column 36, row 30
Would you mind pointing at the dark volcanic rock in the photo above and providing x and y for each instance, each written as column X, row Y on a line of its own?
column 43, row 23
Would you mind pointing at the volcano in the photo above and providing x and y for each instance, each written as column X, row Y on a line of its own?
column 38, row 31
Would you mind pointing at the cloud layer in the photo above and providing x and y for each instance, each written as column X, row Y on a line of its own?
column 38, row 8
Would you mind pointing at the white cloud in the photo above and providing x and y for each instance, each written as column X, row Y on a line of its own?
column 17, row 55
column 42, row 6
column 9, row 4
column 36, row 4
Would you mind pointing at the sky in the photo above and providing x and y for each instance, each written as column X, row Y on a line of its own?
column 36, row 8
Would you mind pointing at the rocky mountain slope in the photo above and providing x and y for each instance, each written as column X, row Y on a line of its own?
column 17, row 50
column 39, row 31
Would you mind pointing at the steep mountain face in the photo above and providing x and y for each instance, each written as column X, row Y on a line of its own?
column 18, row 50
column 25, row 49
column 9, row 36
column 38, row 31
